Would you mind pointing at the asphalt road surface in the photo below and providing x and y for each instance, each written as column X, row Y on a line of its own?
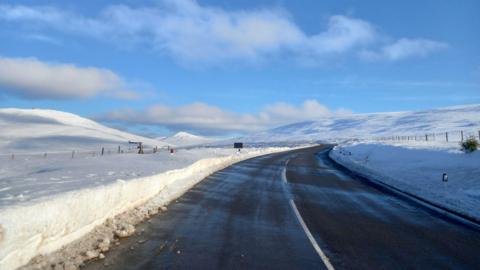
column 296, row 210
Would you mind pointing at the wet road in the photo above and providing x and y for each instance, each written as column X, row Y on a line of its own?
column 291, row 211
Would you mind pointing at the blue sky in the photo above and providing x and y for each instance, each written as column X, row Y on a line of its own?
column 236, row 66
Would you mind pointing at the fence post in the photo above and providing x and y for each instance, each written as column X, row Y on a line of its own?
column 461, row 132
column 103, row 150
column 446, row 136
column 119, row 149
column 426, row 137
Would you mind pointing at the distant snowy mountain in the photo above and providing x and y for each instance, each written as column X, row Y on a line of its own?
column 37, row 130
column 376, row 124
column 186, row 139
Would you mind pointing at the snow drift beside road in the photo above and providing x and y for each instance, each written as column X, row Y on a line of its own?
column 30, row 178
column 417, row 169
column 37, row 130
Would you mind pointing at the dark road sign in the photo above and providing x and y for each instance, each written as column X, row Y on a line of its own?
column 238, row 145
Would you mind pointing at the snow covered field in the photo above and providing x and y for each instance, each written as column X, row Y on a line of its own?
column 47, row 203
column 417, row 168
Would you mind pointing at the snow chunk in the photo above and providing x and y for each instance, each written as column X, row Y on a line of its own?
column 91, row 254
column 104, row 245
column 125, row 230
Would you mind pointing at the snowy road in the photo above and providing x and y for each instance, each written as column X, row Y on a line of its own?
column 311, row 215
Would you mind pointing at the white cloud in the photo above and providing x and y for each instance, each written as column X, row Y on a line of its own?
column 405, row 48
column 343, row 33
column 204, row 118
column 31, row 78
column 194, row 33
column 52, row 17
column 284, row 112
column 190, row 32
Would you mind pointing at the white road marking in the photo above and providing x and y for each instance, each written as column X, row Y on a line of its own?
column 284, row 172
column 317, row 248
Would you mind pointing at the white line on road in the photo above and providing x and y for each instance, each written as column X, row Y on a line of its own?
column 284, row 172
column 317, row 248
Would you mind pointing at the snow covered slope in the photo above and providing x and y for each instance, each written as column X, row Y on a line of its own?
column 375, row 124
column 37, row 130
column 186, row 139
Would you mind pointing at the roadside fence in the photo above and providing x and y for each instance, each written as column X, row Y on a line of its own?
column 72, row 154
column 457, row 136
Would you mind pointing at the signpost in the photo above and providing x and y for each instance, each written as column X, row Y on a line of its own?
column 238, row 145
column 140, row 146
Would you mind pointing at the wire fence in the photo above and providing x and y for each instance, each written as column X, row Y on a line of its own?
column 102, row 151
column 457, row 136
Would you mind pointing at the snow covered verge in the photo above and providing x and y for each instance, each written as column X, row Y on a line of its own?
column 64, row 223
column 417, row 169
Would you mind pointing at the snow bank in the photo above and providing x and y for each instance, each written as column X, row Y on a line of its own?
column 418, row 169
column 27, row 230
column 31, row 178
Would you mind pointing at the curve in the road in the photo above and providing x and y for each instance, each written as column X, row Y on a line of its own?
column 283, row 211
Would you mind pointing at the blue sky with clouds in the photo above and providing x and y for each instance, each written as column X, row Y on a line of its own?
column 223, row 67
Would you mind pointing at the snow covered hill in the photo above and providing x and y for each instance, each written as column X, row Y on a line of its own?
column 365, row 126
column 186, row 139
column 38, row 130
